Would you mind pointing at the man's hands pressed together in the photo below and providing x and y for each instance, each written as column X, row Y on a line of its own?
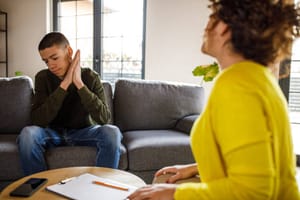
column 73, row 74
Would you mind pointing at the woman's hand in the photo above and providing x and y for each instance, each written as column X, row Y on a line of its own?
column 179, row 172
column 154, row 192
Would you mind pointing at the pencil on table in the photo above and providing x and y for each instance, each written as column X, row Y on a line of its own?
column 110, row 185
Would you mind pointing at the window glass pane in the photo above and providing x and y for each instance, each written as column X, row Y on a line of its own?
column 85, row 26
column 84, row 7
column 114, row 70
column 85, row 45
column 72, row 8
column 132, row 49
column 112, row 49
column 68, row 27
column 294, row 94
column 112, row 25
column 73, row 43
column 133, row 69
column 296, row 50
column 111, row 70
column 76, row 23
column 67, row 8
column 121, row 37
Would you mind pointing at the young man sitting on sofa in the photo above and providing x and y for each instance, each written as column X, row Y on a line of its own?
column 69, row 108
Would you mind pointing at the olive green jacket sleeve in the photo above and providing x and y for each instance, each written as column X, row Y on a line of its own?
column 45, row 107
column 94, row 102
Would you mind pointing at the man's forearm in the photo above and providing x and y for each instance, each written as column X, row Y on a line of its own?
column 96, row 106
column 43, row 114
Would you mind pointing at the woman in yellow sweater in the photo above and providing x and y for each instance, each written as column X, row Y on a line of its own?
column 242, row 141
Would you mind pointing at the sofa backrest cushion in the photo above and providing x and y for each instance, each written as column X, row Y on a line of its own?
column 109, row 97
column 15, row 103
column 146, row 105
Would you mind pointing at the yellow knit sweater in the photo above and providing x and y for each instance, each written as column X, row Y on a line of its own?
column 242, row 141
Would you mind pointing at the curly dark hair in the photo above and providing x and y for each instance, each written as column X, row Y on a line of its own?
column 262, row 30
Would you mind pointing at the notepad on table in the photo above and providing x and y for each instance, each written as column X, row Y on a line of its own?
column 83, row 187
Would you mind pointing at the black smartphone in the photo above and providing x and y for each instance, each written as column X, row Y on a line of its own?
column 27, row 188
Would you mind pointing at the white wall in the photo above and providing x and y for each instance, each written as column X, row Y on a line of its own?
column 173, row 37
column 27, row 23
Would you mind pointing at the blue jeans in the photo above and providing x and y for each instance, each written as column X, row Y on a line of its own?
column 33, row 141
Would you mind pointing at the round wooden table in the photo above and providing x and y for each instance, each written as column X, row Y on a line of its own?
column 56, row 175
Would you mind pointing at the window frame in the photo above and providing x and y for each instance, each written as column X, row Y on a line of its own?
column 285, row 87
column 284, row 83
column 97, row 37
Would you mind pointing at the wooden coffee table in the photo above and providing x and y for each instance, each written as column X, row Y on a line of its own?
column 56, row 175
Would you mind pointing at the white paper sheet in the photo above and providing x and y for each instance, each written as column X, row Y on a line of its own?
column 83, row 188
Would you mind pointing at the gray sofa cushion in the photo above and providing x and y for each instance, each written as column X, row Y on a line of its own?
column 15, row 103
column 10, row 168
column 154, row 149
column 70, row 156
column 150, row 105
column 56, row 157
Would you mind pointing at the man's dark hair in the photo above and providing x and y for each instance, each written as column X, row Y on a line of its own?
column 53, row 38
column 261, row 30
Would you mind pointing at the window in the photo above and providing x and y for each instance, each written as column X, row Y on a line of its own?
column 109, row 33
column 290, row 84
column 294, row 94
column 294, row 89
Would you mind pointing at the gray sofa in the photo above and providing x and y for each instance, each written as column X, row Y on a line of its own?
column 154, row 117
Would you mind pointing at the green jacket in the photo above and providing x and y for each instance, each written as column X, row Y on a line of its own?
column 73, row 109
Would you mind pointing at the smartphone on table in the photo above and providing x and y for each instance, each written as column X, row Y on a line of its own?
column 27, row 188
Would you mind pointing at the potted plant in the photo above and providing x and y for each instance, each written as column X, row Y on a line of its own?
column 18, row 73
column 208, row 72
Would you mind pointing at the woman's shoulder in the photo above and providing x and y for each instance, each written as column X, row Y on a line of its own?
column 244, row 77
column 243, row 73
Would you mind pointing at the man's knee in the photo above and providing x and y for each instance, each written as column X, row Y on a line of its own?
column 112, row 134
column 29, row 134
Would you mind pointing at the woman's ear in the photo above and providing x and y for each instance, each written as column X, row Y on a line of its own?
column 224, row 32
column 223, row 28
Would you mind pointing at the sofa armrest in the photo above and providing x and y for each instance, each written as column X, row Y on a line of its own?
column 185, row 124
column 15, row 103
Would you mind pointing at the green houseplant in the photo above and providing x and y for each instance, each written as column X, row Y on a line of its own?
column 18, row 73
column 207, row 72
